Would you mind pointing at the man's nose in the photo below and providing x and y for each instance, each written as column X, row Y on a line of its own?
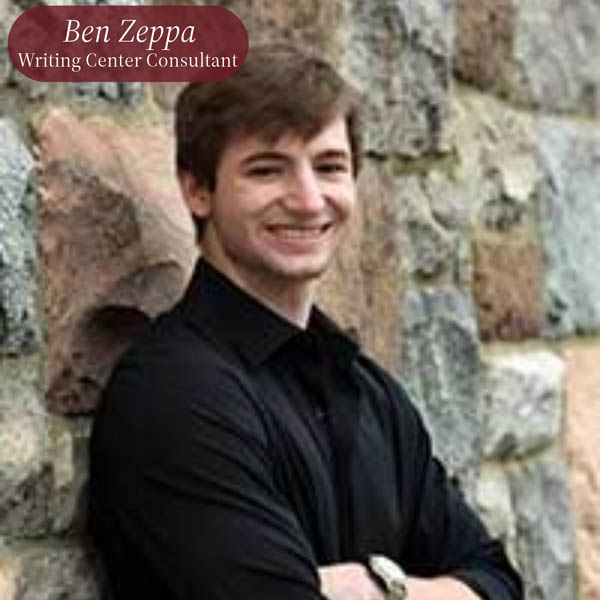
column 305, row 193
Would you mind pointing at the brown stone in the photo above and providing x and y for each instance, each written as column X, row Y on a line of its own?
column 341, row 291
column 306, row 24
column 362, row 290
column 116, row 246
column 583, row 443
column 484, row 39
column 508, row 286
column 383, row 280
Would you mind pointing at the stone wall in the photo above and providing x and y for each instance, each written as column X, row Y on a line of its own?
column 471, row 270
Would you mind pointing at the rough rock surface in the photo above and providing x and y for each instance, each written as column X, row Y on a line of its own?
column 508, row 286
column 19, row 328
column 428, row 247
column 24, row 480
column 545, row 540
column 399, row 54
column 484, row 42
column 476, row 219
column 441, row 367
column 380, row 264
column 494, row 505
column 540, row 53
column 497, row 178
column 570, row 220
column 583, row 441
column 68, row 462
column 116, row 243
column 522, row 400
column 55, row 571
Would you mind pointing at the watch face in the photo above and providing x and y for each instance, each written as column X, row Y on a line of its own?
column 397, row 590
column 389, row 575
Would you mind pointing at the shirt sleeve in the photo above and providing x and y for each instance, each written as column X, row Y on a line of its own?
column 183, row 501
column 447, row 537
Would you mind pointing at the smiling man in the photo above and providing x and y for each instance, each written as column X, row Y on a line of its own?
column 245, row 447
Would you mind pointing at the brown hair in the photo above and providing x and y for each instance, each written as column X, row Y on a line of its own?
column 278, row 89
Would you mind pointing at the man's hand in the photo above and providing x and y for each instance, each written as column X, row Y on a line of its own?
column 351, row 581
column 348, row 581
column 438, row 588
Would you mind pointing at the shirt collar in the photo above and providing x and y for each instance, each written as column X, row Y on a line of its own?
column 232, row 316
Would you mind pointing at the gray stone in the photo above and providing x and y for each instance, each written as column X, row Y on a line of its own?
column 5, row 62
column 450, row 204
column 24, row 476
column 522, row 399
column 556, row 46
column 85, row 88
column 447, row 200
column 43, row 459
column 109, row 90
column 8, row 14
column 399, row 55
column 132, row 92
column 496, row 171
column 55, row 570
column 428, row 248
column 441, row 366
column 545, row 529
column 68, row 457
column 19, row 330
column 494, row 506
column 569, row 214
column 127, row 92
column 539, row 53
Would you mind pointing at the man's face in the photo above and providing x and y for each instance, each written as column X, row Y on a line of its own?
column 278, row 210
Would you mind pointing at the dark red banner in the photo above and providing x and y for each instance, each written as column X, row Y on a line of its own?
column 128, row 43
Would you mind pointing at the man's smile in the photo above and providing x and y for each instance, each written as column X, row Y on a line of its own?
column 294, row 232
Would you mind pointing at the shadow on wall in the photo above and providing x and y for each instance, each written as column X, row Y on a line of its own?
column 98, row 343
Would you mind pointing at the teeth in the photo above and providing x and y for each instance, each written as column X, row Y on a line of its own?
column 298, row 232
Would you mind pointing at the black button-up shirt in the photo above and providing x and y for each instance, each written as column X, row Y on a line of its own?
column 234, row 454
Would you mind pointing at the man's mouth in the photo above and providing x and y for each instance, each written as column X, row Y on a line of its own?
column 298, row 231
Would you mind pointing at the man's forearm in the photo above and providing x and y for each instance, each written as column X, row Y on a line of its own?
column 351, row 581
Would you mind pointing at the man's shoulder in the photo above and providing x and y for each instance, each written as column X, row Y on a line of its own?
column 173, row 365
column 171, row 379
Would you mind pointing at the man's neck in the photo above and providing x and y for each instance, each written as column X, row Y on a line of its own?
column 292, row 302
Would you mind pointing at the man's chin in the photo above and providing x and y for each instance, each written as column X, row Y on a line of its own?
column 307, row 271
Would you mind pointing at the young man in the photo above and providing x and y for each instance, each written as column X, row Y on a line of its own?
column 245, row 448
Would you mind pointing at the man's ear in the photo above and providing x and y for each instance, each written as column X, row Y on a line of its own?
column 198, row 197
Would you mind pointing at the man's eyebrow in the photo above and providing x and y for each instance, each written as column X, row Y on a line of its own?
column 327, row 154
column 334, row 153
column 266, row 155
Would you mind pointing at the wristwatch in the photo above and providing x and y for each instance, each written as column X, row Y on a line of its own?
column 389, row 576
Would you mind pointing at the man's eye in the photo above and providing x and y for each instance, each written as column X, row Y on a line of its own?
column 327, row 168
column 264, row 171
